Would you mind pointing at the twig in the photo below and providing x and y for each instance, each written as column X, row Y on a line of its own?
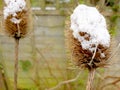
column 117, row 48
column 90, row 63
column 66, row 82
column 112, row 83
column 4, row 79
column 90, row 79
column 112, row 77
column 16, row 63
column 49, row 69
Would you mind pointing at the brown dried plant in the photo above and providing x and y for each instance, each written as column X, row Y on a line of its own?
column 20, row 30
column 84, row 58
column 17, row 31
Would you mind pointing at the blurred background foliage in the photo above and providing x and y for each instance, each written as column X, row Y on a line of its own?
column 42, row 71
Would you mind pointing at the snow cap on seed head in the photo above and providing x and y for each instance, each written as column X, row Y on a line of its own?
column 13, row 6
column 88, row 20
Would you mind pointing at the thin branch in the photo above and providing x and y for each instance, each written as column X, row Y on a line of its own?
column 116, row 81
column 90, row 63
column 4, row 79
column 16, row 63
column 112, row 83
column 49, row 69
column 117, row 48
column 113, row 77
column 65, row 82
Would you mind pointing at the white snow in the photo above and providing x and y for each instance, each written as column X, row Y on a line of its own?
column 88, row 19
column 13, row 6
column 102, row 55
column 46, row 8
column 50, row 8
column 15, row 20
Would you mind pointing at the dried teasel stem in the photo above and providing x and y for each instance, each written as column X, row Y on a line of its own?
column 16, row 26
column 91, row 72
column 16, row 63
column 17, row 38
column 90, row 79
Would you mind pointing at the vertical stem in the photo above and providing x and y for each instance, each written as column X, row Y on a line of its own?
column 5, row 81
column 16, row 63
column 2, row 86
column 36, row 62
column 90, row 79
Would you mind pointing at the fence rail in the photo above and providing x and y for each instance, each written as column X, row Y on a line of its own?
column 50, row 7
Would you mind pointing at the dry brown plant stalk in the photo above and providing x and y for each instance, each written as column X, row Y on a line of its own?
column 66, row 82
column 16, row 63
column 90, row 80
column 17, row 31
column 84, row 58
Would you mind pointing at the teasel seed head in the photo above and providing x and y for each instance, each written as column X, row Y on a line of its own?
column 16, row 18
column 88, row 36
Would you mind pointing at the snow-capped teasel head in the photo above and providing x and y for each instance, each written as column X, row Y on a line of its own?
column 89, row 27
column 13, row 6
column 17, row 24
column 16, row 16
column 88, row 38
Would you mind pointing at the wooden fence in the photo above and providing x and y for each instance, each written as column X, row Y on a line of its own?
column 51, row 7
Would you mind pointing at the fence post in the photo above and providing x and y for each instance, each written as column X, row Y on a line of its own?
column 42, row 4
column 57, row 4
